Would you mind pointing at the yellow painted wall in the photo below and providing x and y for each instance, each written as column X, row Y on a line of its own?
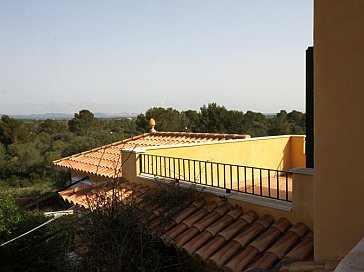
column 303, row 199
column 131, row 169
column 269, row 152
column 339, row 126
column 298, row 154
column 283, row 152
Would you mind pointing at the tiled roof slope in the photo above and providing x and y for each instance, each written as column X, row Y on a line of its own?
column 106, row 160
column 223, row 236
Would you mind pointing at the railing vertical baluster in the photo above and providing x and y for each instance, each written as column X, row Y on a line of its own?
column 169, row 167
column 189, row 170
column 224, row 175
column 199, row 168
column 261, row 182
column 160, row 166
column 184, row 172
column 206, row 173
column 212, row 173
column 244, row 179
column 179, row 168
column 140, row 163
column 231, row 176
column 156, row 165
column 286, row 185
column 174, row 168
column 238, row 177
column 253, row 184
column 268, row 183
column 218, row 174
column 152, row 164
column 152, row 159
column 194, row 171
column 277, row 184
column 148, row 164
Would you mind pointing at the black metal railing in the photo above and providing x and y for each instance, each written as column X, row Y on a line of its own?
column 270, row 183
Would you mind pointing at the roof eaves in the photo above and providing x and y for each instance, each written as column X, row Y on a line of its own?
column 101, row 147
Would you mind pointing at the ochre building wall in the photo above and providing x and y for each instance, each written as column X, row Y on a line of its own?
column 339, row 129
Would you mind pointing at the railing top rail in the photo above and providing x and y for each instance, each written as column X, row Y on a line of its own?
column 221, row 163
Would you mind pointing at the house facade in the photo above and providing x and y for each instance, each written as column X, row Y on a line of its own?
column 268, row 175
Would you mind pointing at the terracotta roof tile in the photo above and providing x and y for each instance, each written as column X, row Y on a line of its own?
column 284, row 244
column 233, row 229
column 106, row 160
column 174, row 232
column 246, row 236
column 221, row 235
column 220, row 224
column 186, row 236
column 178, row 218
column 206, row 221
column 266, row 239
column 189, row 221
column 210, row 248
column 242, row 259
column 300, row 229
column 302, row 250
column 264, row 262
column 224, row 254
column 197, row 242
column 282, row 224
column 310, row 266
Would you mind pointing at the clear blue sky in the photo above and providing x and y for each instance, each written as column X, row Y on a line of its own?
column 128, row 56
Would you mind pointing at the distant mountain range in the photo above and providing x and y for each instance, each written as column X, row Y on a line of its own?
column 67, row 116
column 101, row 115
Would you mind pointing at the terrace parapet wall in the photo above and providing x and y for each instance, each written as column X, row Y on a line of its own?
column 299, row 210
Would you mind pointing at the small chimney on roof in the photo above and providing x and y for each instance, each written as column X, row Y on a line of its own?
column 152, row 125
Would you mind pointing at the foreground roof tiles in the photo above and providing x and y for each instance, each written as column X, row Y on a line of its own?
column 311, row 266
column 106, row 161
column 223, row 236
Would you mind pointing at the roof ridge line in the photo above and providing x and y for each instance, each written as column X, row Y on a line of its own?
column 102, row 147
column 218, row 135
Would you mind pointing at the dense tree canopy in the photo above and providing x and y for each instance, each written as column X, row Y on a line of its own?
column 83, row 123
column 13, row 131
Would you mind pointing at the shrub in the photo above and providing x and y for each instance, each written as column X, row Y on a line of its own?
column 121, row 235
